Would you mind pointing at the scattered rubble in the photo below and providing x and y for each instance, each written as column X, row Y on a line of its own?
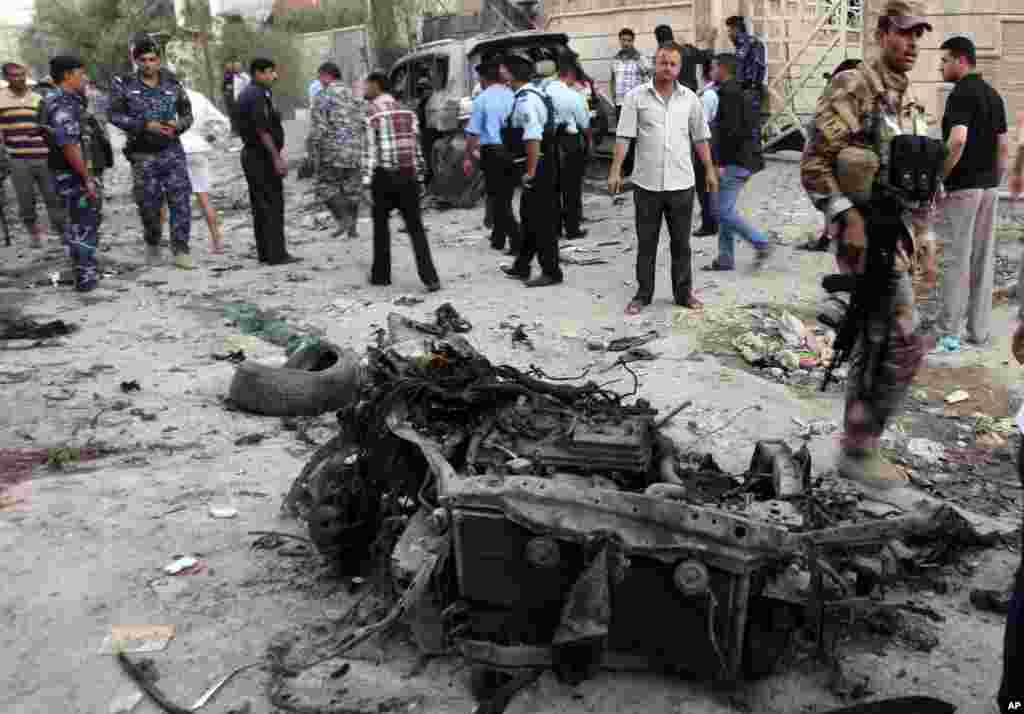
column 784, row 348
column 926, row 450
column 32, row 330
column 997, row 601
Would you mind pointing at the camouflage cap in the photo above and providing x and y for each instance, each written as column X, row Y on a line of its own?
column 902, row 15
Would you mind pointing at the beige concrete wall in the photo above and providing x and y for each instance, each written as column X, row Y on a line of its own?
column 593, row 26
column 997, row 29
column 784, row 25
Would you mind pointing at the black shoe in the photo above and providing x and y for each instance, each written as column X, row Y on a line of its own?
column 286, row 260
column 705, row 231
column 433, row 287
column 577, row 235
column 542, row 281
column 379, row 283
column 511, row 272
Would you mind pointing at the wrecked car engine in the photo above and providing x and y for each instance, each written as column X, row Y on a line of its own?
column 534, row 523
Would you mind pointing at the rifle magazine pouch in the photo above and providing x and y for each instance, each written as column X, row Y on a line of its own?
column 915, row 166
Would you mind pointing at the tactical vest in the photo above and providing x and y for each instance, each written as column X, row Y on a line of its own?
column 512, row 137
column 908, row 163
column 907, row 168
column 97, row 151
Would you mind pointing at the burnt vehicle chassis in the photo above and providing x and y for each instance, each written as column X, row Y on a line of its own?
column 548, row 525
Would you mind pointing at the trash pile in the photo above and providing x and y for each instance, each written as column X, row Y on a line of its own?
column 787, row 350
column 536, row 524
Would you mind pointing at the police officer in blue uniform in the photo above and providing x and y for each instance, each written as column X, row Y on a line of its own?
column 529, row 137
column 74, row 159
column 572, row 130
column 152, row 108
column 491, row 109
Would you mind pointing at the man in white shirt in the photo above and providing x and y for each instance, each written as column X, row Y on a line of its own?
column 242, row 80
column 667, row 120
column 208, row 123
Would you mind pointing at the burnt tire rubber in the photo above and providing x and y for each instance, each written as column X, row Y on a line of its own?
column 299, row 391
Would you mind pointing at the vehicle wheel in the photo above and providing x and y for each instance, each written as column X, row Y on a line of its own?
column 293, row 391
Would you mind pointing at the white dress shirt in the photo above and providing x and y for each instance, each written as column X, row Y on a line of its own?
column 665, row 131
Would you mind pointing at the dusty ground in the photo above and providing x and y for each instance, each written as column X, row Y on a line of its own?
column 82, row 547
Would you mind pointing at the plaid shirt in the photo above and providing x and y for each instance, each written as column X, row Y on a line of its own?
column 628, row 75
column 392, row 140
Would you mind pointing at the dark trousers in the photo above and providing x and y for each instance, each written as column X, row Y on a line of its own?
column 708, row 210
column 627, row 165
column 391, row 191
column 538, row 211
column 501, row 177
column 572, row 162
column 676, row 208
column 266, row 194
column 1011, row 689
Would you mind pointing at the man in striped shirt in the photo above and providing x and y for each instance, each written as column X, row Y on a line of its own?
column 27, row 147
column 393, row 178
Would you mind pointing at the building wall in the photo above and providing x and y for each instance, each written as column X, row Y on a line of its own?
column 997, row 29
column 784, row 26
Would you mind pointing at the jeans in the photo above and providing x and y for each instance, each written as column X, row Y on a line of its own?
column 731, row 223
column 266, row 194
column 676, row 207
column 391, row 191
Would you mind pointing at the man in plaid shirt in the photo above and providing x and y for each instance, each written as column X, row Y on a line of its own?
column 393, row 173
column 630, row 69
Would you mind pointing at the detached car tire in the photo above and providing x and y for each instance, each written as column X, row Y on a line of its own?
column 315, row 380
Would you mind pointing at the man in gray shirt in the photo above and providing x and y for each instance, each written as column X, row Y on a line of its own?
column 667, row 121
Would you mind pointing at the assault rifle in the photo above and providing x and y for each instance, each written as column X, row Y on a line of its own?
column 915, row 168
column 871, row 291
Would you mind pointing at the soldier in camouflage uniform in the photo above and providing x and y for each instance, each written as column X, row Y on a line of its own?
column 75, row 158
column 335, row 145
column 152, row 108
column 845, row 159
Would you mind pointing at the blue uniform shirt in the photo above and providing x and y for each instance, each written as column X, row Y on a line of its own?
column 570, row 108
column 530, row 114
column 64, row 115
column 133, row 103
column 490, row 111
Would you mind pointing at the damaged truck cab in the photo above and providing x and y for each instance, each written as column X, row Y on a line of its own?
column 434, row 78
column 543, row 524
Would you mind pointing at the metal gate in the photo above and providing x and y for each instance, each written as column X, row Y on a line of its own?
column 804, row 39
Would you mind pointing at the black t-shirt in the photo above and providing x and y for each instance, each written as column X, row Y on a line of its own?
column 975, row 104
column 256, row 111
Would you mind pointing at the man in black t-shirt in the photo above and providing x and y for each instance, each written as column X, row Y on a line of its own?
column 974, row 128
column 259, row 124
